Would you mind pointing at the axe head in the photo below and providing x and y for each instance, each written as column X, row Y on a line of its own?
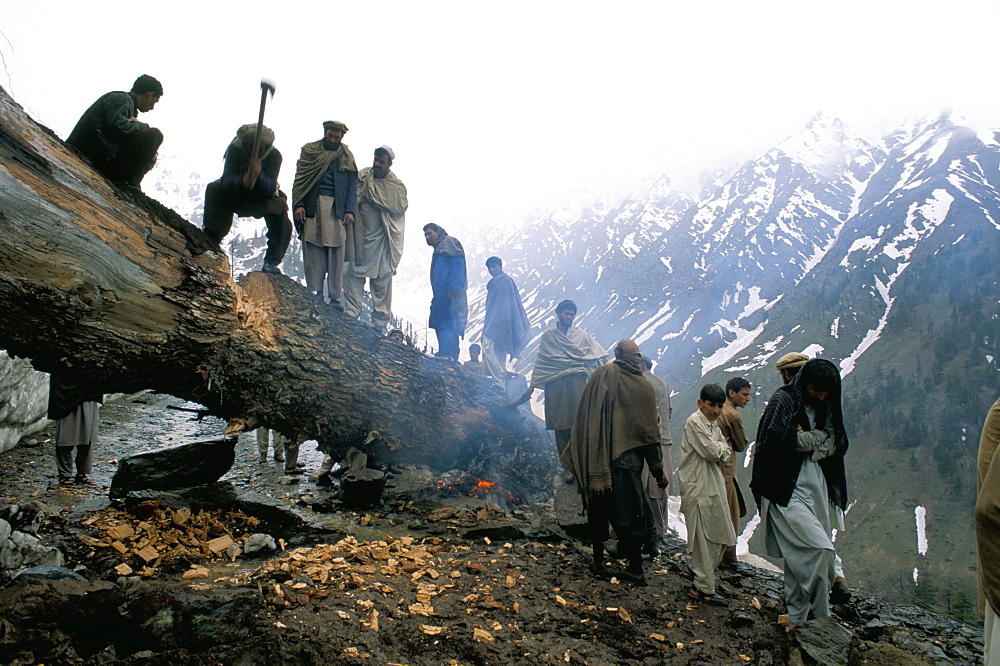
column 267, row 85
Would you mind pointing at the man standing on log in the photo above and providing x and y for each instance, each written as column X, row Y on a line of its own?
column 249, row 188
column 119, row 146
column 375, row 241
column 615, row 433
column 731, row 424
column 506, row 328
column 325, row 197
column 449, row 304
column 566, row 357
column 77, row 413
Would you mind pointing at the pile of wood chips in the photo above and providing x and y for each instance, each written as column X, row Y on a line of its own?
column 150, row 536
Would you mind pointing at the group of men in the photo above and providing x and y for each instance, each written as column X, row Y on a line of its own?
column 350, row 221
column 611, row 430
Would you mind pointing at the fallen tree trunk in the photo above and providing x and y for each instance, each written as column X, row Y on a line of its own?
column 117, row 290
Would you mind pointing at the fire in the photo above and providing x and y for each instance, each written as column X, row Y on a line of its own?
column 474, row 487
column 483, row 484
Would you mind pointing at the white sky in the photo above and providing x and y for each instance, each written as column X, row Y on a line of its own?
column 495, row 110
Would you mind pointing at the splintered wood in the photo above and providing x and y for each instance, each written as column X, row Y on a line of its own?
column 166, row 536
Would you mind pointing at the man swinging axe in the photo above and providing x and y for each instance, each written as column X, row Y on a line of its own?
column 249, row 188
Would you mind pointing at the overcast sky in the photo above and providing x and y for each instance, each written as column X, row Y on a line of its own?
column 497, row 109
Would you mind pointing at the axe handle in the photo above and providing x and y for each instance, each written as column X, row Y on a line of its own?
column 260, row 124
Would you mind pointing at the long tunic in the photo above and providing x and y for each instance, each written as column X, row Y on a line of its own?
column 381, row 220
column 562, row 366
column 703, row 490
column 506, row 323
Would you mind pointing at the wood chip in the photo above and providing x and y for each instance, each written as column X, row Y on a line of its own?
column 196, row 572
column 658, row 637
column 119, row 546
column 431, row 630
column 373, row 620
column 219, row 544
column 483, row 636
column 623, row 614
column 148, row 554
column 755, row 602
column 181, row 516
column 783, row 619
column 123, row 569
column 122, row 531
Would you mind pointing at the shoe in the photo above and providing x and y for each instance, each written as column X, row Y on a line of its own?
column 82, row 478
column 712, row 599
column 294, row 470
column 736, row 567
column 270, row 268
column 336, row 304
column 263, row 458
column 650, row 550
column 840, row 593
column 65, row 481
column 688, row 573
column 279, row 457
column 634, row 578
column 612, row 550
column 600, row 569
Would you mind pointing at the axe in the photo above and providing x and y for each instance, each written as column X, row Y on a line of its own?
column 266, row 88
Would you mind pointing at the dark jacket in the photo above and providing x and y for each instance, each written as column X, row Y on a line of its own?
column 449, row 305
column 236, row 166
column 65, row 395
column 345, row 194
column 100, row 131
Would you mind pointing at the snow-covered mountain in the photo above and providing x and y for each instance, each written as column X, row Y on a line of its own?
column 881, row 254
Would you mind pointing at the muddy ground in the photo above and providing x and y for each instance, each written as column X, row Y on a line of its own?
column 430, row 576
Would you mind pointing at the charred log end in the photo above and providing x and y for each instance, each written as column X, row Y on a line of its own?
column 362, row 488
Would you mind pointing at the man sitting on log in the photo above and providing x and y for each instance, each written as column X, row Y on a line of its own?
column 566, row 357
column 119, row 146
column 325, row 198
column 249, row 188
column 615, row 433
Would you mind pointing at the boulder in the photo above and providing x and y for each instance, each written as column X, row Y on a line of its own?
column 47, row 572
column 218, row 495
column 5, row 530
column 182, row 466
column 825, row 641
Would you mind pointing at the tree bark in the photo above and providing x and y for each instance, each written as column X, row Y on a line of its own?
column 114, row 288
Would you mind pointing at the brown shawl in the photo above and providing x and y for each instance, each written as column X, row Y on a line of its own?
column 312, row 164
column 987, row 512
column 617, row 413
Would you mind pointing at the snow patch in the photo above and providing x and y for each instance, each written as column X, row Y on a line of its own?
column 921, row 515
column 916, row 574
column 835, row 328
column 814, row 350
column 742, row 340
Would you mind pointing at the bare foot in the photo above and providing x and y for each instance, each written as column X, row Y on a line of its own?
column 790, row 627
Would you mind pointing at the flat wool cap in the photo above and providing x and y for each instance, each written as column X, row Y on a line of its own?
column 792, row 360
column 335, row 125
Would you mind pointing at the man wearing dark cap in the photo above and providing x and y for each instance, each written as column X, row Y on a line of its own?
column 615, row 432
column 375, row 240
column 566, row 357
column 119, row 146
column 249, row 188
column 325, row 200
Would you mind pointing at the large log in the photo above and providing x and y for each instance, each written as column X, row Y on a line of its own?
column 115, row 288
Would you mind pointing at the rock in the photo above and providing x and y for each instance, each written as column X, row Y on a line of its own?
column 11, row 557
column 218, row 495
column 35, row 552
column 25, row 518
column 259, row 543
column 289, row 480
column 882, row 653
column 233, row 552
column 740, row 619
column 926, row 650
column 825, row 641
column 173, row 467
column 567, row 502
column 5, row 530
column 47, row 572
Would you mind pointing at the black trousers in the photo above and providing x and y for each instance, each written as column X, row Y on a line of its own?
column 221, row 204
column 625, row 509
column 135, row 157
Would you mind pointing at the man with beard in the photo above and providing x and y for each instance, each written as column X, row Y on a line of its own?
column 615, row 432
column 449, row 305
column 249, row 188
column 118, row 145
column 800, row 484
column 566, row 356
column 731, row 424
column 375, row 241
column 505, row 328
column 325, row 198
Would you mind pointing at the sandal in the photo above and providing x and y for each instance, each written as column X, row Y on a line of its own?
column 712, row 599
column 65, row 481
column 82, row 478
